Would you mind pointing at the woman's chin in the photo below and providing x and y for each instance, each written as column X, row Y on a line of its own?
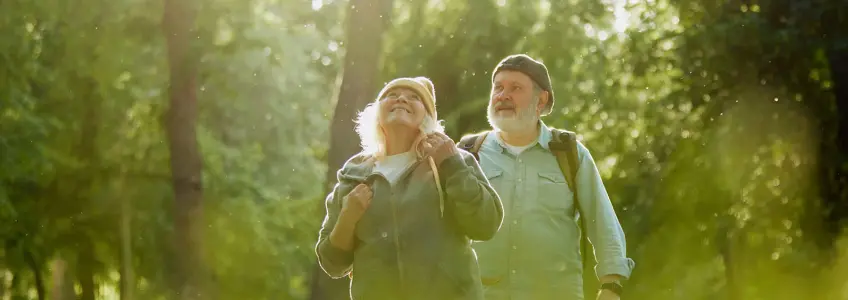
column 400, row 124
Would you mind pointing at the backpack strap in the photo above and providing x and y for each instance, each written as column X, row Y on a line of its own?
column 564, row 146
column 472, row 143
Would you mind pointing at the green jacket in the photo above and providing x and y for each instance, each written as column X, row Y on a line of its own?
column 405, row 248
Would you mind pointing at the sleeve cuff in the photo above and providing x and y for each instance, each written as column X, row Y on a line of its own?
column 334, row 255
column 622, row 267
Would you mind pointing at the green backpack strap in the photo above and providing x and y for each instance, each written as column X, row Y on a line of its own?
column 564, row 147
column 472, row 143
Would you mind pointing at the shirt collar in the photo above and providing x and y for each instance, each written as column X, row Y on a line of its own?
column 543, row 139
column 545, row 135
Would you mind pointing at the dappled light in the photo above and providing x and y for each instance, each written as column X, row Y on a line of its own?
column 164, row 149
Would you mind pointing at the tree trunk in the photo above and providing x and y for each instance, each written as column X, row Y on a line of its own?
column 85, row 272
column 62, row 280
column 87, row 153
column 725, row 242
column 835, row 187
column 127, row 277
column 36, row 272
column 2, row 284
column 366, row 22
column 15, row 286
column 359, row 82
column 834, row 143
column 178, row 20
column 58, row 270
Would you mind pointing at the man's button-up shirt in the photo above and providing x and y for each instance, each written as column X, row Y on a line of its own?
column 536, row 252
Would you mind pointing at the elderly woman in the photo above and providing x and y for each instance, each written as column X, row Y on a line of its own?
column 402, row 216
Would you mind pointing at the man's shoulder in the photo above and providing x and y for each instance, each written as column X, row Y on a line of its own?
column 477, row 133
column 472, row 137
column 464, row 154
column 472, row 142
column 568, row 137
column 561, row 135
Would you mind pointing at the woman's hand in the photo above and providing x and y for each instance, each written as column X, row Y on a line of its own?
column 438, row 146
column 353, row 207
column 355, row 204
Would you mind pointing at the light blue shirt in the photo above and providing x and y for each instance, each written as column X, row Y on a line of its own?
column 536, row 253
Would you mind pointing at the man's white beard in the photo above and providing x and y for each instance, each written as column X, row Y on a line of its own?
column 524, row 120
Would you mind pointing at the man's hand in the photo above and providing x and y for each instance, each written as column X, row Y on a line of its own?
column 438, row 146
column 607, row 295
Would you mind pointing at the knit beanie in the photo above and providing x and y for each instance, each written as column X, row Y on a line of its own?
column 421, row 85
column 532, row 68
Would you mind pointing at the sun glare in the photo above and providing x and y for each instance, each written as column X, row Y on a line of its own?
column 620, row 23
column 622, row 16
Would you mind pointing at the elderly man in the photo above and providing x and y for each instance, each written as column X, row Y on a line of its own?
column 552, row 194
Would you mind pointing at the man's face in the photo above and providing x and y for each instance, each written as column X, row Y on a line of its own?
column 514, row 106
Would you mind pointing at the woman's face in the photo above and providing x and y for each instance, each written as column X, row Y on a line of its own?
column 402, row 108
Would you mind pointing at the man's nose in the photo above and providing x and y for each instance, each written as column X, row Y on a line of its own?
column 501, row 96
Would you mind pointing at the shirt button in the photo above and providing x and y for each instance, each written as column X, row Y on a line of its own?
column 513, row 271
column 519, row 160
column 385, row 234
column 519, row 179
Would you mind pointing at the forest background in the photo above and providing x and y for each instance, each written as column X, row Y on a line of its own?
column 154, row 148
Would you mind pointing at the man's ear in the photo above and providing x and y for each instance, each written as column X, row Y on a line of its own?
column 543, row 101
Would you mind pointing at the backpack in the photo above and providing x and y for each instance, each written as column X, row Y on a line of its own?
column 564, row 146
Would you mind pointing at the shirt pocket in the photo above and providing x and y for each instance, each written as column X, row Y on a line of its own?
column 555, row 197
column 493, row 174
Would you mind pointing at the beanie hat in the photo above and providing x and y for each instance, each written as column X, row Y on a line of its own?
column 421, row 85
column 532, row 68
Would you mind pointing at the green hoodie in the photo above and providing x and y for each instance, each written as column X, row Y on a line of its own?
column 405, row 248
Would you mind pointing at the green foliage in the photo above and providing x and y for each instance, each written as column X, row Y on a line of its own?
column 96, row 78
column 707, row 120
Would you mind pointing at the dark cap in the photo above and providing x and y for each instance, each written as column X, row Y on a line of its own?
column 532, row 68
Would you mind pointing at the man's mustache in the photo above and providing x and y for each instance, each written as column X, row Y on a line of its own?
column 504, row 104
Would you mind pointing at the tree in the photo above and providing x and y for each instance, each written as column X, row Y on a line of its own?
column 835, row 187
column 178, row 22
column 366, row 22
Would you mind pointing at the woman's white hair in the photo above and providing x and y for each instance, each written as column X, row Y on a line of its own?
column 371, row 136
